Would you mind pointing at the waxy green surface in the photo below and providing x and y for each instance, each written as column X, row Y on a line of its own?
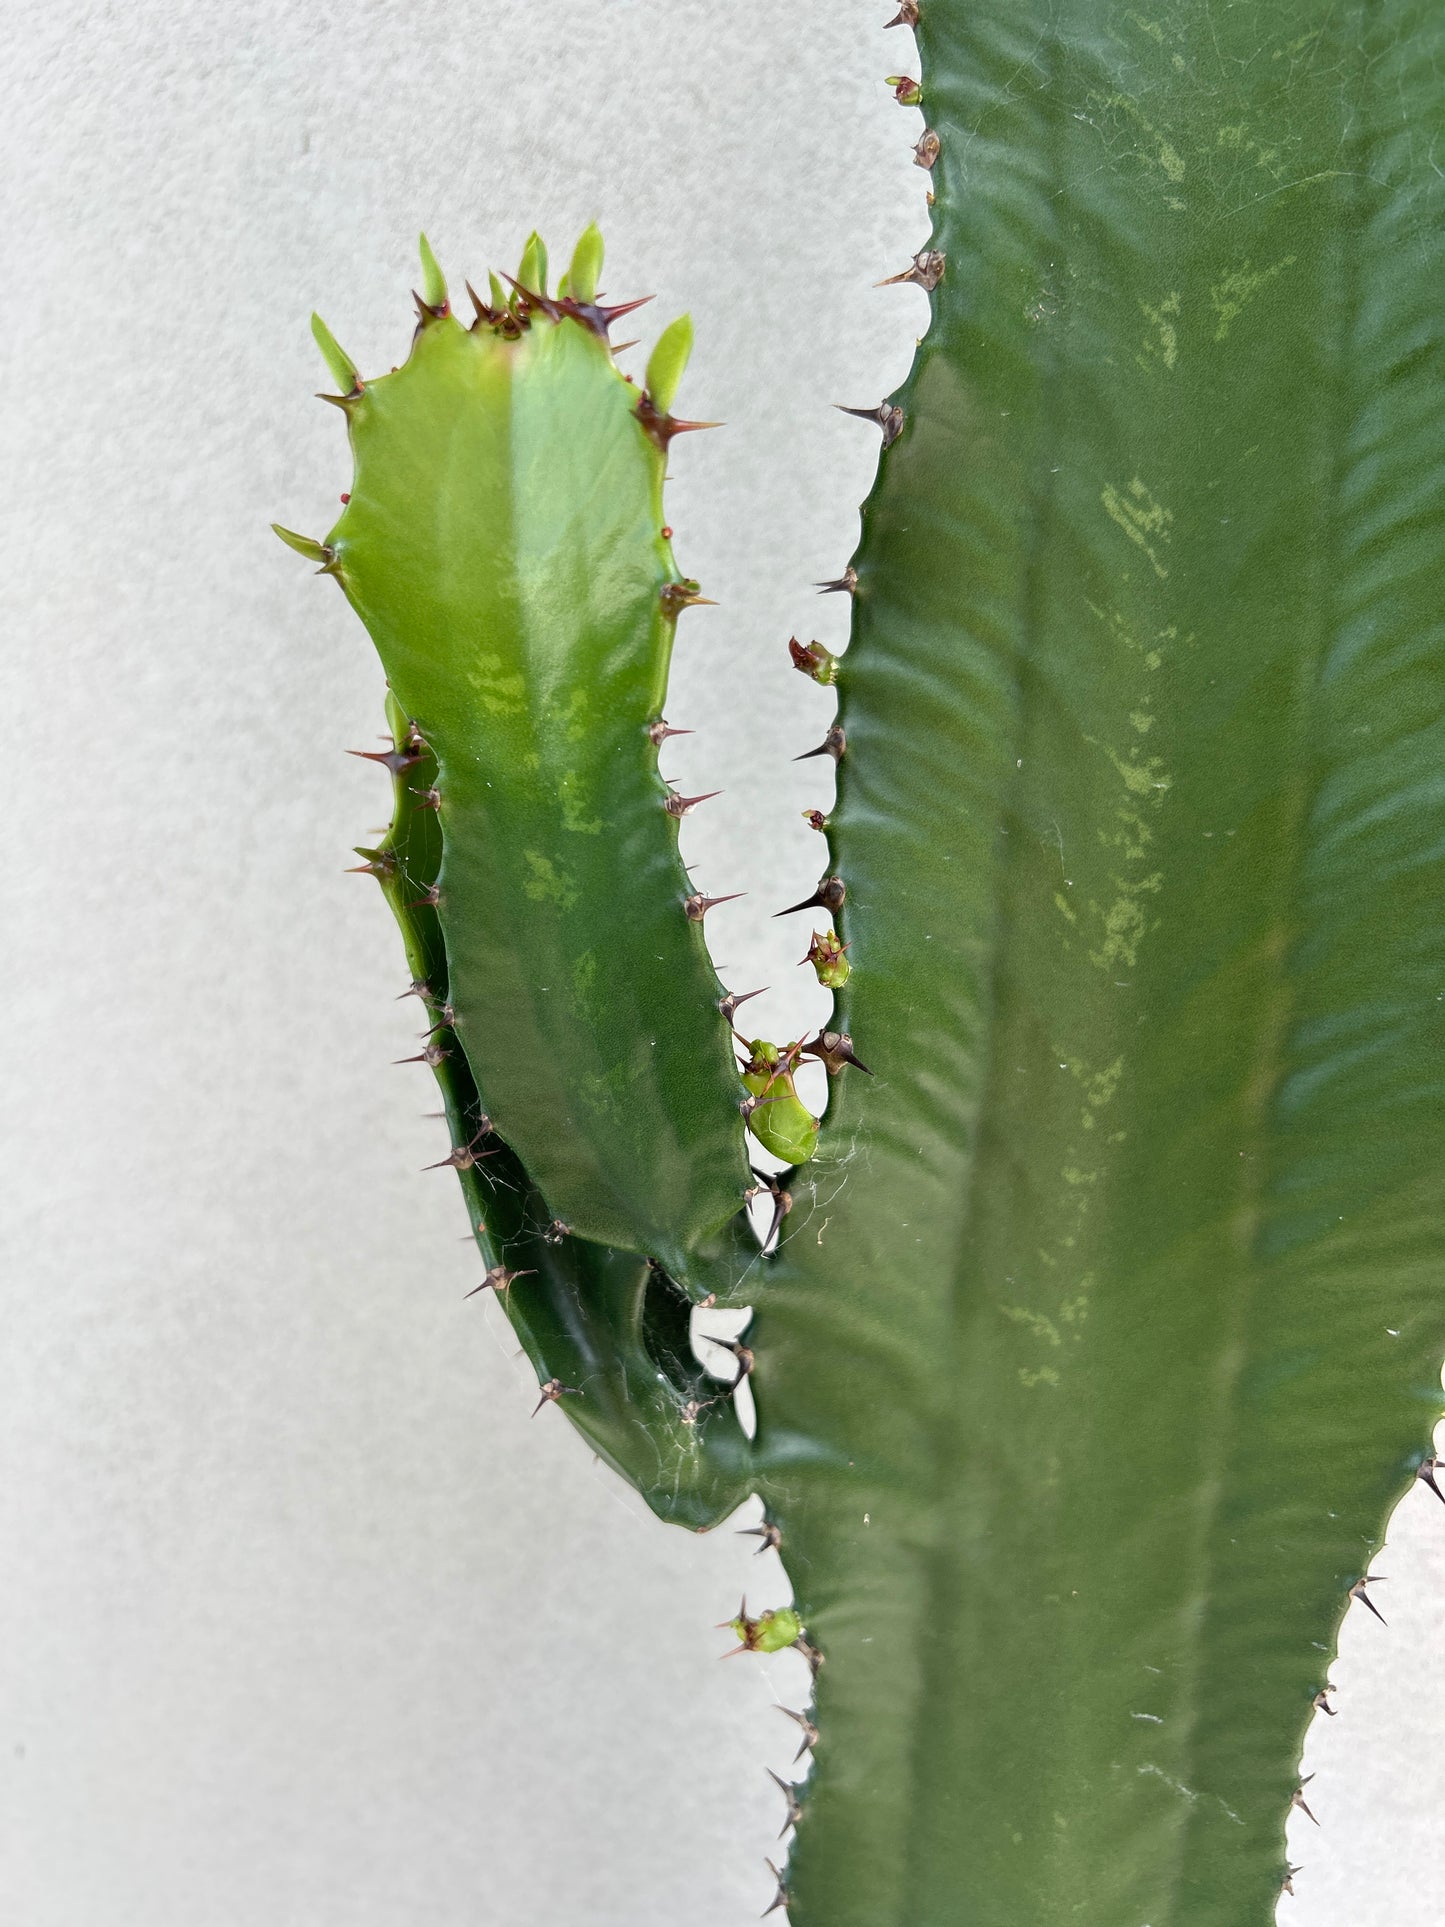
column 1111, row 1329
column 503, row 544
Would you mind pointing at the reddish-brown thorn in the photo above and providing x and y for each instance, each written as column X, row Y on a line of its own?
column 620, row 308
column 1357, row 1591
column 676, row 805
column 780, row 1899
column 417, row 988
column 1427, row 1472
column 484, row 311
column 906, row 16
column 433, row 1055
column 461, row 1158
column 846, row 584
column 885, row 416
column 1297, row 1798
column 729, row 1005
column 810, row 1732
column 431, row 897
column 552, row 1391
column 1320, row 1703
column 770, row 1534
column 661, row 730
column 833, row 744
column 428, row 313
column 829, row 895
column 790, row 1794
column 541, row 302
column 835, row 1049
column 395, row 760
column 925, row 271
column 498, row 1279
column 697, row 906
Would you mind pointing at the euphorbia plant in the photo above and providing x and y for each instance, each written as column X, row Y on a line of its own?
column 1116, row 1327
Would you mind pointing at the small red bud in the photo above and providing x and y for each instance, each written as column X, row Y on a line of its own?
column 345, row 499
column 666, row 533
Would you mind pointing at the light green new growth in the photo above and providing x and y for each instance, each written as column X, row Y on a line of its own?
column 1100, row 1324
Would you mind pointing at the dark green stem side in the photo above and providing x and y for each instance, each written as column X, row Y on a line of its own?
column 603, row 1323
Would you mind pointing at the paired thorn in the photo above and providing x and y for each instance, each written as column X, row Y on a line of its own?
column 428, row 799
column 1357, row 1591
column 845, row 584
column 1320, row 1703
column 830, row 894
column 676, row 805
column 770, row 1533
column 1297, row 1798
column 429, row 898
column 552, row 1391
column 888, row 417
column 395, row 760
column 767, row 1186
column 426, row 313
column 1426, row 1472
column 1287, row 1884
column 809, row 1732
column 697, row 906
column 780, row 1898
column 418, row 987
column 659, row 732
column 810, row 1653
column 496, row 313
column 378, row 864
column 461, row 1157
column 925, row 271
column 835, row 1049
column 532, row 300
column 660, row 427
column 556, row 1232
column 744, row 1355
column 499, row 1279
column 434, row 1054
column 926, row 153
column 790, row 1794
column 677, row 596
column 834, row 744
column 729, row 1005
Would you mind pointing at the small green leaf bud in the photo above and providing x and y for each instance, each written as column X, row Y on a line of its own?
column 343, row 368
column 433, row 281
column 586, row 267
column 667, row 361
column 533, row 271
column 305, row 545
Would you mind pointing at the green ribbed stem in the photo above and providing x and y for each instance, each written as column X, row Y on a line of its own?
column 1122, row 1333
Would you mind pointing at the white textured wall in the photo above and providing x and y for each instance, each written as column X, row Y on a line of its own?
column 303, row 1622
